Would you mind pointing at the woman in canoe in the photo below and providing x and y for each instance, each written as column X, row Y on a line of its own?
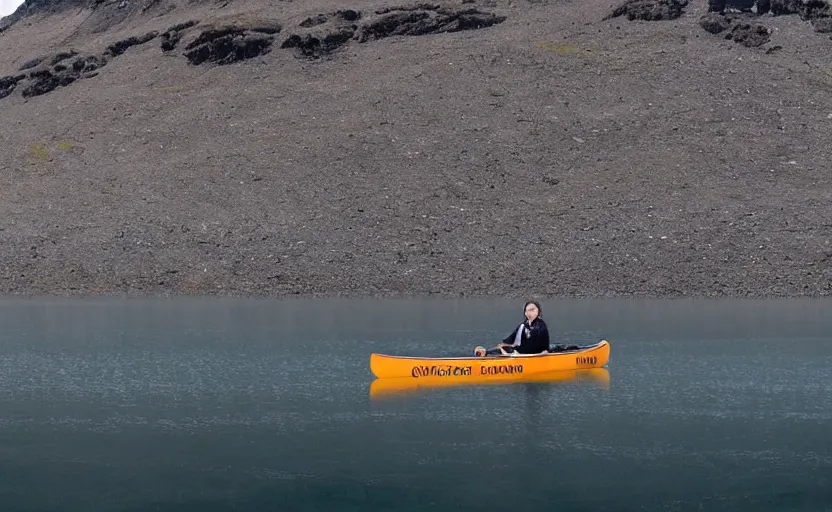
column 530, row 337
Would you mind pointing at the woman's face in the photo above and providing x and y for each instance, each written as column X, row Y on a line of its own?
column 531, row 312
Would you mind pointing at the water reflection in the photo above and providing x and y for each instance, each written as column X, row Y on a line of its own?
column 388, row 388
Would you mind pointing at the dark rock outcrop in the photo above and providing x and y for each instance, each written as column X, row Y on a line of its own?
column 47, row 80
column 172, row 36
column 325, row 34
column 62, row 69
column 715, row 23
column 649, row 10
column 347, row 15
column 314, row 47
column 785, row 7
column 816, row 9
column 120, row 47
column 321, row 35
column 229, row 44
column 424, row 20
column 753, row 34
column 314, row 21
column 88, row 64
column 807, row 9
column 749, row 34
column 720, row 6
column 8, row 84
column 62, row 56
column 740, row 30
column 717, row 6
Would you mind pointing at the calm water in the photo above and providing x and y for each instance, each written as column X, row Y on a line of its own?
column 209, row 405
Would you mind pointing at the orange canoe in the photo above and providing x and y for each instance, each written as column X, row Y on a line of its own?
column 502, row 366
column 383, row 388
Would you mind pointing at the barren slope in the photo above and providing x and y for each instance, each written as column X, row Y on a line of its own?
column 551, row 150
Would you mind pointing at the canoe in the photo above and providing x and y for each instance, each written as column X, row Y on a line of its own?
column 472, row 367
column 385, row 388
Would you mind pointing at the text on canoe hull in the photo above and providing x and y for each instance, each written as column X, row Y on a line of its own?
column 464, row 371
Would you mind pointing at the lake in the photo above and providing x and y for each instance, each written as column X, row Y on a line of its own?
column 190, row 404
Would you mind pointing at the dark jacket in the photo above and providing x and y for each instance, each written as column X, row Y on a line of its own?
column 535, row 337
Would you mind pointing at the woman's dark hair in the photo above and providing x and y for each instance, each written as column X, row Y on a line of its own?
column 537, row 305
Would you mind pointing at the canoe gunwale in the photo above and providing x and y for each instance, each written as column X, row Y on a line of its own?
column 498, row 357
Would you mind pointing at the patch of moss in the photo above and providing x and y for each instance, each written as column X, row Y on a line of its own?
column 43, row 152
column 39, row 152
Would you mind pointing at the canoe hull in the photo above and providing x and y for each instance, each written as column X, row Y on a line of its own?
column 462, row 368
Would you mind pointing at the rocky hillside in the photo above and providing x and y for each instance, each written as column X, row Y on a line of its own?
column 652, row 147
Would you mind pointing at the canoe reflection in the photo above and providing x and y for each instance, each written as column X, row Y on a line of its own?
column 383, row 388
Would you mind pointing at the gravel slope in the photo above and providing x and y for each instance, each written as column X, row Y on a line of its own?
column 547, row 149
